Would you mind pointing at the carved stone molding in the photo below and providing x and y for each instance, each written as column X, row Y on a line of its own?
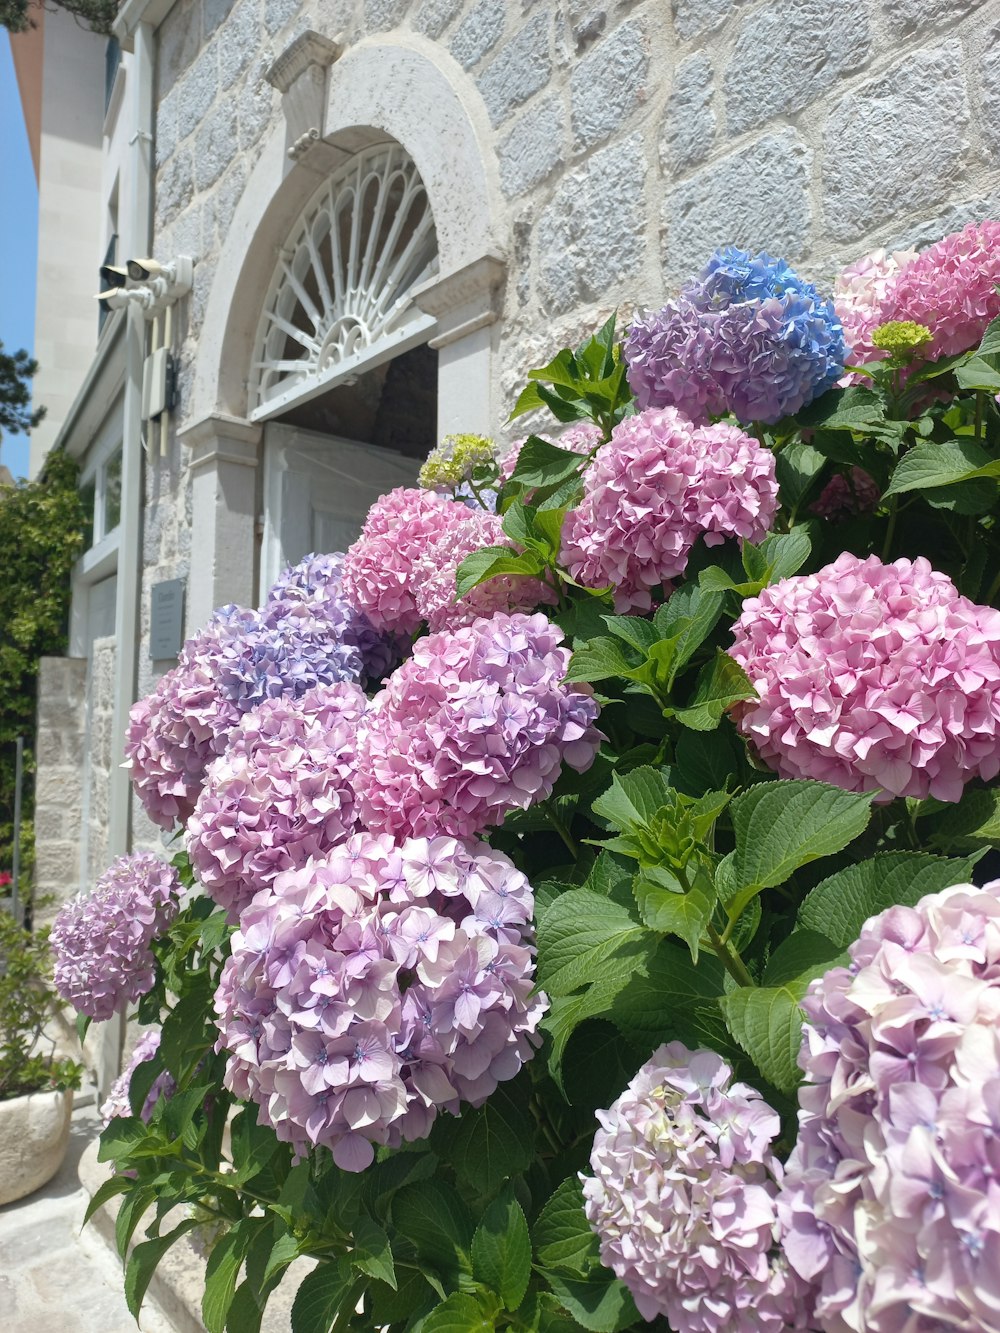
column 299, row 74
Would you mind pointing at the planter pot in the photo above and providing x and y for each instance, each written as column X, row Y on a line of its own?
column 34, row 1134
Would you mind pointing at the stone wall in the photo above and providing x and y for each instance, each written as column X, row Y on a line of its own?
column 100, row 705
column 59, row 780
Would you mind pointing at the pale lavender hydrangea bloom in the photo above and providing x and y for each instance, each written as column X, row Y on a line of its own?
column 370, row 989
column 891, row 1200
column 118, row 1103
column 747, row 336
column 872, row 676
column 281, row 793
column 101, row 939
column 658, row 486
column 683, row 1199
column 477, row 722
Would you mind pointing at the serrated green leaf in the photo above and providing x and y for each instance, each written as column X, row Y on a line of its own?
column 973, row 822
column 720, row 684
column 528, row 400
column 931, row 464
column 435, row 1219
column 780, row 826
column 564, row 1241
column 130, row 1214
column 639, row 633
column 767, row 1023
column 222, row 1270
column 143, row 1261
column 857, row 409
column 598, row 660
column 490, row 561
column 687, row 618
column 669, row 913
column 321, row 1296
column 105, row 1192
column 285, row 1251
column 567, row 1012
column 601, row 1304
column 803, row 955
column 584, row 934
column 460, row 1313
column 372, row 1252
column 708, row 760
column 490, row 1143
column 841, row 905
column 784, row 553
column 633, row 798
column 540, row 463
column 797, row 467
column 501, row 1251
column 669, row 998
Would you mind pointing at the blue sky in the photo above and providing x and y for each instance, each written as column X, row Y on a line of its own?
column 18, row 238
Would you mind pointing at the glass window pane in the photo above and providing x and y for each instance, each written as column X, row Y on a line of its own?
column 88, row 494
column 112, row 492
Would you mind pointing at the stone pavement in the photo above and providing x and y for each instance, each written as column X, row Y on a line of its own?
column 53, row 1277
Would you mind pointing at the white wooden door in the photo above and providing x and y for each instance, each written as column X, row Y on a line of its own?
column 317, row 491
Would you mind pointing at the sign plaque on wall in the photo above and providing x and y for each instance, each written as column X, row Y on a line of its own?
column 166, row 628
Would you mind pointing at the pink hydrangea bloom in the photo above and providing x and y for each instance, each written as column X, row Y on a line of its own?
column 951, row 288
column 859, row 295
column 117, row 1103
column 580, row 439
column 845, row 496
column 891, row 1205
column 683, row 1199
column 872, row 676
column 101, row 939
column 281, row 793
column 476, row 723
column 658, row 485
column 370, row 989
column 401, row 570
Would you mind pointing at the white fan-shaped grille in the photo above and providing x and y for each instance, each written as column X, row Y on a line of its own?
column 342, row 286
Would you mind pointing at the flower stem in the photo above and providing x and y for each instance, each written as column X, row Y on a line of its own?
column 729, row 958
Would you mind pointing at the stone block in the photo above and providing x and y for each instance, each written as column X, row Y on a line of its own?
column 788, row 54
column 239, row 40
column 689, row 122
column 692, row 18
column 279, row 13
column 48, row 824
column 195, row 93
column 254, row 104
column 608, row 84
column 214, row 12
column 756, row 198
column 165, row 128
column 989, row 85
column 174, row 186
column 896, row 145
column 519, row 69
column 57, row 868
column 534, row 147
column 381, row 14
column 434, row 16
column 478, row 32
column 177, row 41
column 904, row 16
column 215, row 144
column 224, row 200
column 591, row 234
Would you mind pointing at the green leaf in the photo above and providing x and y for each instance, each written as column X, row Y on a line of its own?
column 780, row 826
column 253, row 1145
column 721, row 683
column 222, row 1270
column 436, row 1220
column 490, row 561
column 784, row 553
column 285, row 1251
column 501, row 1251
column 143, row 1260
column 372, row 1251
column 460, row 1313
column 982, row 370
column 687, row 618
column 106, row 1191
column 583, row 935
column 492, row 1142
column 540, row 463
column 564, row 1241
column 669, row 913
column 83, row 1022
column 803, row 955
column 856, row 409
column 633, row 798
column 707, row 761
column 121, row 1137
column 598, row 659
column 130, row 1214
column 601, row 1304
column 841, row 905
column 930, row 465
column 528, row 400
column 321, row 1296
column 671, row 999
column 797, row 467
column 767, row 1023
column 973, row 822
column 567, row 1012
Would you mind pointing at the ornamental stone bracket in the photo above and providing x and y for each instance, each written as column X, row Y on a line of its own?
column 299, row 74
column 223, row 462
column 466, row 304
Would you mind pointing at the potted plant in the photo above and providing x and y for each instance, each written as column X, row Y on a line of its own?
column 36, row 1097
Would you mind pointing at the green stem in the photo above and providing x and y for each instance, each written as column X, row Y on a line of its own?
column 560, row 827
column 978, row 430
column 729, row 958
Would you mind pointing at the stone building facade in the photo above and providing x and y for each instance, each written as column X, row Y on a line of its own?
column 576, row 157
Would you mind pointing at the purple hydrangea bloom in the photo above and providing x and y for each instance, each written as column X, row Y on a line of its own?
column 683, row 1199
column 891, row 1201
column 747, row 336
column 118, row 1103
column 101, row 939
column 477, row 722
column 281, row 793
column 371, row 988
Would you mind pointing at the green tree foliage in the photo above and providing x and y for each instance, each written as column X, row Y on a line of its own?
column 15, row 392
column 41, row 534
column 97, row 15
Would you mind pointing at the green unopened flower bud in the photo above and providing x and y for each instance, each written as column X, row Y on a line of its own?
column 455, row 459
column 900, row 337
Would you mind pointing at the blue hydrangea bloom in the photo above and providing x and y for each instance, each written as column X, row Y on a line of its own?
column 747, row 336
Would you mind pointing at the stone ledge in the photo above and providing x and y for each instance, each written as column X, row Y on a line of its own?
column 179, row 1280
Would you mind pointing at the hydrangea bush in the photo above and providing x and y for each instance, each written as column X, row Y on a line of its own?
column 580, row 925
